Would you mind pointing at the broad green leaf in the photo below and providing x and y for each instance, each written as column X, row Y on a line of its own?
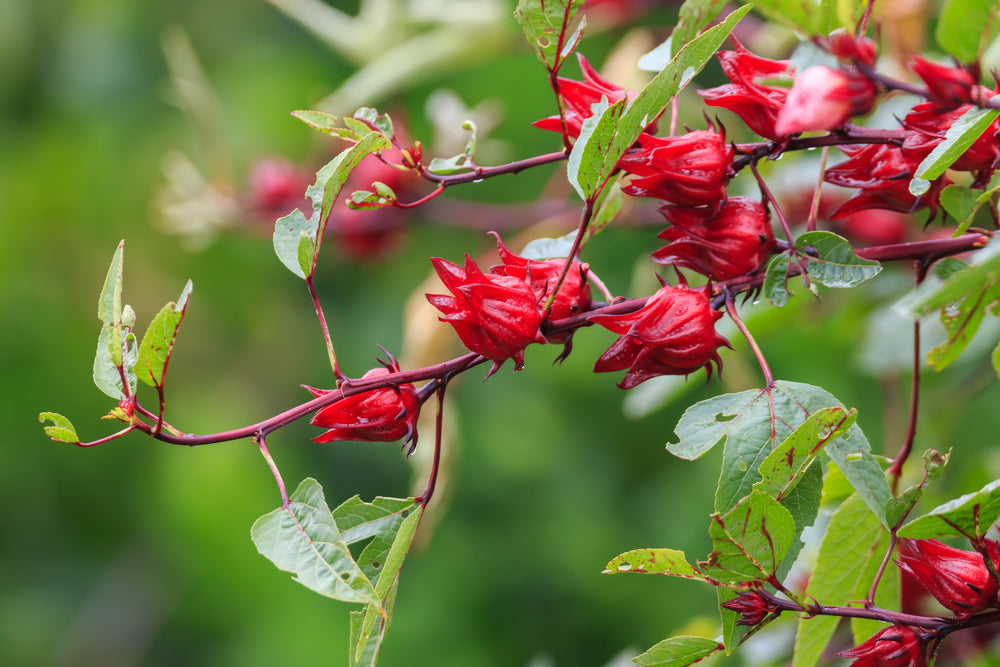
column 899, row 507
column 106, row 374
column 750, row 540
column 852, row 541
column 62, row 429
column 678, row 652
column 776, row 280
column 330, row 180
column 694, row 16
column 109, row 305
column 886, row 595
column 543, row 21
column 381, row 123
column 969, row 516
column 607, row 208
column 306, row 253
column 783, row 468
column 304, row 539
column 961, row 204
column 546, row 248
column 959, row 137
column 961, row 320
column 836, row 265
column 811, row 18
column 654, row 561
column 602, row 142
column 744, row 422
column 327, row 124
column 802, row 502
column 158, row 341
column 995, row 359
column 966, row 27
column 935, row 292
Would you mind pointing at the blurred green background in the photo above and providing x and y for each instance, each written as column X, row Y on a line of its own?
column 138, row 553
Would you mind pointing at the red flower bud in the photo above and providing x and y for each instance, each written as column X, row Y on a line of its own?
column 895, row 646
column 495, row 316
column 958, row 579
column 673, row 334
column 949, row 87
column 752, row 606
column 756, row 103
column 541, row 276
column 689, row 170
column 731, row 243
column 823, row 98
column 379, row 415
column 578, row 96
column 847, row 47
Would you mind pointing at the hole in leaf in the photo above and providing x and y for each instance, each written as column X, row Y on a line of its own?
column 544, row 42
column 405, row 513
column 625, row 567
column 345, row 576
column 376, row 564
column 720, row 417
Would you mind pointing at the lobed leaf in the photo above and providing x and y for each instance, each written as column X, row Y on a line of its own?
column 61, row 430
column 543, row 21
column 158, row 341
column 854, row 539
column 960, row 136
column 835, row 263
column 654, row 561
column 971, row 516
column 678, row 652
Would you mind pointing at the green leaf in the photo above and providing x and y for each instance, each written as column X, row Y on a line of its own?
column 819, row 18
column 802, row 502
column 835, row 264
column 109, row 305
column 327, row 124
column 364, row 653
column 330, row 180
column 776, row 280
column 887, row 595
column 853, row 540
column 995, row 359
column 966, row 27
column 750, row 540
column 678, row 652
column 62, row 429
column 382, row 124
column 364, row 200
column 543, row 21
column 743, row 422
column 694, row 16
column 900, row 506
column 106, row 374
column 959, row 137
column 961, row 320
column 654, row 561
column 304, row 539
column 158, row 341
column 611, row 130
column 306, row 253
column 935, row 292
column 546, row 248
column 969, row 516
column 960, row 203
column 458, row 164
column 784, row 467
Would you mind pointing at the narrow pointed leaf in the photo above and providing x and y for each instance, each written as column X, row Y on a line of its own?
column 61, row 430
column 543, row 21
column 836, row 264
column 158, row 341
column 969, row 516
column 304, row 539
column 109, row 305
column 961, row 321
column 678, row 652
column 654, row 561
column 935, row 292
column 959, row 137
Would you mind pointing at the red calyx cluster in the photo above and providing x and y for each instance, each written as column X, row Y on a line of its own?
column 690, row 170
column 958, row 579
column 673, row 334
column 733, row 242
column 381, row 415
column 578, row 96
column 894, row 646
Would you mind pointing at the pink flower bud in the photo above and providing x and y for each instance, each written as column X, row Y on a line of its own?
column 752, row 606
column 496, row 316
column 754, row 101
column 574, row 294
column 578, row 96
column 731, row 243
column 673, row 334
column 895, row 646
column 690, row 170
column 958, row 579
column 381, row 415
column 823, row 98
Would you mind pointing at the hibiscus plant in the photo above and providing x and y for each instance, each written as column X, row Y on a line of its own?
column 916, row 190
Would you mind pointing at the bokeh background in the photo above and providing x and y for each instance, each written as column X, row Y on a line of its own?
column 167, row 124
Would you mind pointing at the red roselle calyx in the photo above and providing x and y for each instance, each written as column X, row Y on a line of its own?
column 949, row 87
column 542, row 276
column 578, row 96
column 752, row 606
column 731, row 243
column 748, row 96
column 958, row 579
column 380, row 415
column 673, row 334
column 895, row 646
column 823, row 98
column 690, row 170
column 496, row 316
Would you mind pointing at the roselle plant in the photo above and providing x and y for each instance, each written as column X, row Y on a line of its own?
column 791, row 451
